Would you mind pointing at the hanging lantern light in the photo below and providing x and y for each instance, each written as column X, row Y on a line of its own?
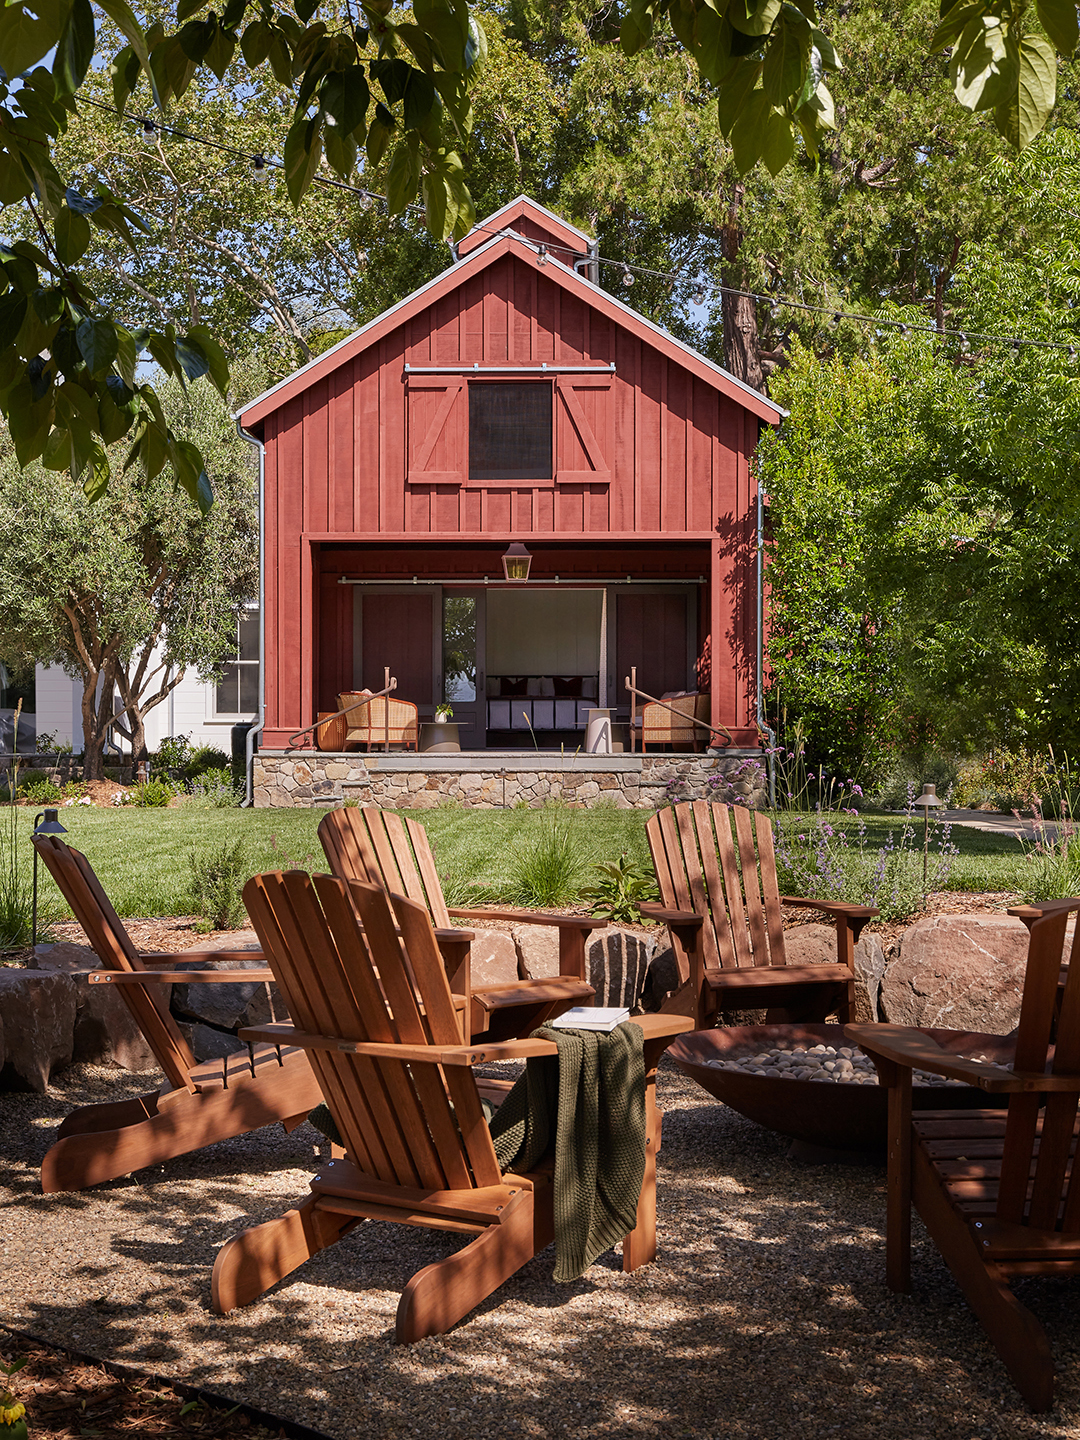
column 627, row 277
column 259, row 169
column 516, row 562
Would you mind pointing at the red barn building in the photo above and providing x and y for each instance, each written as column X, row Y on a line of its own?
column 509, row 400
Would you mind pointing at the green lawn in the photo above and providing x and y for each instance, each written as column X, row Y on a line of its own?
column 142, row 856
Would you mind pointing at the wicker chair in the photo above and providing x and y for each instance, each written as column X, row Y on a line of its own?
column 660, row 727
column 378, row 720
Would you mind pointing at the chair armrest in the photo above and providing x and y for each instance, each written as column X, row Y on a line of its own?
column 205, row 957
column 463, row 1055
column 652, row 911
column 533, row 917
column 832, row 907
column 177, row 977
column 911, row 1048
column 453, row 934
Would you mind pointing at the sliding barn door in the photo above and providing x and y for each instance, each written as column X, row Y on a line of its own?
column 399, row 631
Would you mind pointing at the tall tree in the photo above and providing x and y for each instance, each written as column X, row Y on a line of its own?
column 131, row 591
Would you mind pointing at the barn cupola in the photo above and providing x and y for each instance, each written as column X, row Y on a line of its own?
column 536, row 226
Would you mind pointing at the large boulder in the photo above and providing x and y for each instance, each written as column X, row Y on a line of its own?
column 106, row 1032
column 815, row 944
column 38, row 1011
column 960, row 972
column 618, row 960
column 493, row 958
column 537, row 950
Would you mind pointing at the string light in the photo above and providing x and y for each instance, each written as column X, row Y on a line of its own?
column 262, row 164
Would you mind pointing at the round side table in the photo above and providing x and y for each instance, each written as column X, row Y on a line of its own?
column 440, row 737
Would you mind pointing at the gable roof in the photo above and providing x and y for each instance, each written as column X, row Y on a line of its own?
column 533, row 213
column 506, row 241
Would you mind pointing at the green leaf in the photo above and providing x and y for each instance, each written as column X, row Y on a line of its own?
column 186, row 8
column 341, row 151
column 191, row 359
column 712, row 45
column 749, row 133
column 403, row 178
column 1058, row 19
column 97, row 480
column 76, row 48
column 14, row 184
column 779, row 143
column 1026, row 112
column 754, row 17
column 280, row 63
column 12, row 314
column 787, row 57
column 438, row 19
column 955, row 21
column 419, row 99
column 72, row 233
column 378, row 135
column 305, row 9
column 825, row 48
column 303, row 151
column 220, row 51
column 98, row 344
column 735, row 94
column 256, row 43
column 125, row 74
column 28, row 31
column 345, row 96
column 57, row 453
column 122, row 16
column 127, row 354
column 216, row 362
column 983, row 66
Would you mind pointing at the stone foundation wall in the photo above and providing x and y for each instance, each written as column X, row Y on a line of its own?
column 640, row 783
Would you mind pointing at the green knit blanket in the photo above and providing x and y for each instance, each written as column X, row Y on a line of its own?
column 590, row 1098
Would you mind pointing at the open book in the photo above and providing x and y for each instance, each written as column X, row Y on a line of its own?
column 591, row 1017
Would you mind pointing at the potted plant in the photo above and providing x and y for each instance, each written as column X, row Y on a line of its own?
column 444, row 713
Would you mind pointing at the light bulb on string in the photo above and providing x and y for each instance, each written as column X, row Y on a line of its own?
column 148, row 132
column 774, row 310
column 836, row 318
column 260, row 171
column 699, row 295
column 541, row 255
column 627, row 277
column 1071, row 352
column 965, row 344
column 902, row 329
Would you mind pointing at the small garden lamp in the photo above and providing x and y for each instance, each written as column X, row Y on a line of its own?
column 927, row 800
column 516, row 562
column 47, row 823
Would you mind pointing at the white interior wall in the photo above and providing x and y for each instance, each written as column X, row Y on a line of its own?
column 543, row 632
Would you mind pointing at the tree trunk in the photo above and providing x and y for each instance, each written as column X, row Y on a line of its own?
column 96, row 717
column 739, row 312
column 131, row 723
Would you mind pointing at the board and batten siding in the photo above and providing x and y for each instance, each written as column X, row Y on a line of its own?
column 651, row 452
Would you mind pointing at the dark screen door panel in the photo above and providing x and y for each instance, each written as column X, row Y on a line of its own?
column 651, row 634
column 398, row 630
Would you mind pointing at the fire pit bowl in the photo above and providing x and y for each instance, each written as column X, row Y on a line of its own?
column 826, row 1116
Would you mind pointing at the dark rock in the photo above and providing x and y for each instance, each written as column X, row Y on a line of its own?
column 618, row 961
column 38, row 1013
column 105, row 1032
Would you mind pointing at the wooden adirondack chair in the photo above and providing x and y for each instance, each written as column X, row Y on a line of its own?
column 371, row 1004
column 378, row 846
column 721, row 901
column 198, row 1103
column 998, row 1190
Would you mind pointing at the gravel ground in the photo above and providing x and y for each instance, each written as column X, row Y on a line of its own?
column 764, row 1317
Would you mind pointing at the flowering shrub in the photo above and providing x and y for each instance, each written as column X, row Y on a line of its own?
column 824, row 859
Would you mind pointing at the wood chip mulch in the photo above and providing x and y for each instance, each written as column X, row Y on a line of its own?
column 69, row 1397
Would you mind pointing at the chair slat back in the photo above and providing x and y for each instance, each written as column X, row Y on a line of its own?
column 726, row 874
column 343, row 971
column 366, row 843
column 111, row 943
column 1036, row 1185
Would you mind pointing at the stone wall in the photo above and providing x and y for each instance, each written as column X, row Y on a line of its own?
column 307, row 778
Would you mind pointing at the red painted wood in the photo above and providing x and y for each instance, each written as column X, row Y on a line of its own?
column 659, row 452
column 396, row 630
column 650, row 634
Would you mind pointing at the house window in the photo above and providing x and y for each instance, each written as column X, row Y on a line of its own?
column 237, row 692
column 510, row 431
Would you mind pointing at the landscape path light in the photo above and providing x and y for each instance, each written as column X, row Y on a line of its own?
column 927, row 800
column 47, row 823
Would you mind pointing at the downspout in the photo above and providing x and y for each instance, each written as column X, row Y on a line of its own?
column 761, row 723
column 256, row 729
